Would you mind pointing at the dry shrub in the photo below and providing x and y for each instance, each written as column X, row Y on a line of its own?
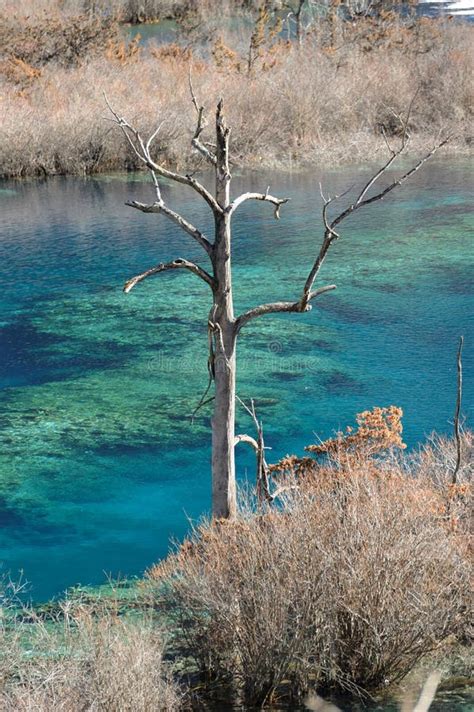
column 434, row 465
column 345, row 586
column 377, row 430
column 89, row 660
column 55, row 37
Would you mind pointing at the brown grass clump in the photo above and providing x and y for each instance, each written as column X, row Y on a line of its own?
column 344, row 586
column 87, row 659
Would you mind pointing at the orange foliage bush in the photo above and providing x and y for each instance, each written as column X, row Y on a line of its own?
column 124, row 52
column 378, row 429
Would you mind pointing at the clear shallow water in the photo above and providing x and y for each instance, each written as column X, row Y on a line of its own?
column 99, row 463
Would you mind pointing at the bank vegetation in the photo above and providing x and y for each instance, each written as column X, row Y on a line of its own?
column 330, row 98
column 360, row 575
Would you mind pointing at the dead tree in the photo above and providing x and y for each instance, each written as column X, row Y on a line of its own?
column 223, row 325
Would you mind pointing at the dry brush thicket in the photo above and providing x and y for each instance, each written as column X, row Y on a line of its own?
column 362, row 571
column 324, row 102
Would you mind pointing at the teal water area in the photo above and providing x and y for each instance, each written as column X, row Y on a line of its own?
column 100, row 464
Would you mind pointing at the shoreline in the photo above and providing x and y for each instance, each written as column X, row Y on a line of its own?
column 322, row 158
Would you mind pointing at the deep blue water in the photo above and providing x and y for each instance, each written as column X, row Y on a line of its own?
column 100, row 465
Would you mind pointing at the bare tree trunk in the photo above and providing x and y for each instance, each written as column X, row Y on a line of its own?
column 457, row 433
column 223, row 425
column 222, row 324
column 225, row 336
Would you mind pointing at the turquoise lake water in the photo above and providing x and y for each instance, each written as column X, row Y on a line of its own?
column 100, row 465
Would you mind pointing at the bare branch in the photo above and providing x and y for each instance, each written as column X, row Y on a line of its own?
column 200, row 126
column 277, row 202
column 159, row 207
column 281, row 490
column 376, row 176
column 393, row 154
column 262, row 480
column 179, row 263
column 153, row 136
column 330, row 233
column 457, row 413
column 223, row 174
column 379, row 196
column 428, row 692
column 280, row 307
column 246, row 439
column 142, row 151
column 203, row 401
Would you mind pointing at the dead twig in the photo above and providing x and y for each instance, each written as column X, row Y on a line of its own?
column 457, row 430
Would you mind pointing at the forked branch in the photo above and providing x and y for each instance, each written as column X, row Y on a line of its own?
column 262, row 479
column 200, row 126
column 179, row 263
column 142, row 150
column 330, row 232
column 360, row 202
column 280, row 307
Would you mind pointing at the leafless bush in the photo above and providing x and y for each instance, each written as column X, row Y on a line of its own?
column 89, row 660
column 348, row 585
column 436, row 460
column 434, row 465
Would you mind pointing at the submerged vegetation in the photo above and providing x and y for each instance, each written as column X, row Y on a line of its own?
column 357, row 76
column 360, row 574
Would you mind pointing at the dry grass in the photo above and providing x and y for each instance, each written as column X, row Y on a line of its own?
column 309, row 106
column 88, row 659
column 357, row 577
